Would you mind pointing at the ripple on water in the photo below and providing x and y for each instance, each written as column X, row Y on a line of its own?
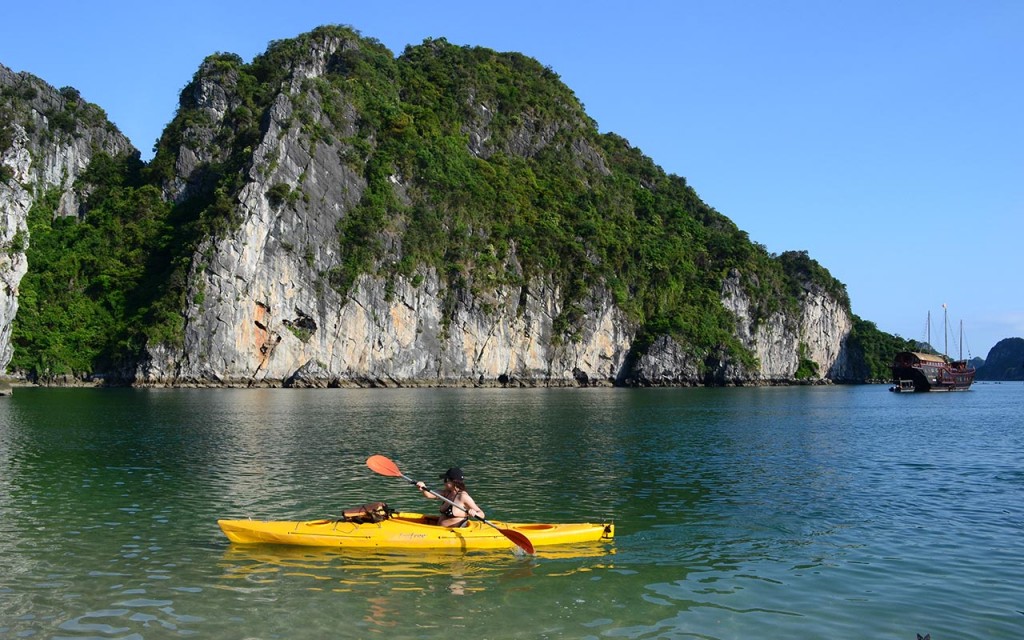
column 740, row 513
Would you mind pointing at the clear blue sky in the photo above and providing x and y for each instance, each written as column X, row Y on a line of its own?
column 884, row 138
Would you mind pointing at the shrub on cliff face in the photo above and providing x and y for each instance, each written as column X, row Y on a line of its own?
column 6, row 132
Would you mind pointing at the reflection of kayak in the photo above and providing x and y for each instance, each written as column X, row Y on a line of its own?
column 407, row 531
column 384, row 561
column 246, row 565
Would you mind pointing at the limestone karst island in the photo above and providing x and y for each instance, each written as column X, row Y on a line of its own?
column 331, row 214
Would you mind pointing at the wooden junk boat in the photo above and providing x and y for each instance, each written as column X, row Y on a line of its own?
column 916, row 371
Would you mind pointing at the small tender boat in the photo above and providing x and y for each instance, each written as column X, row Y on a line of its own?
column 408, row 531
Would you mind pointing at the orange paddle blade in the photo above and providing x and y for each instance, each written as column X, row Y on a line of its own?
column 518, row 539
column 384, row 466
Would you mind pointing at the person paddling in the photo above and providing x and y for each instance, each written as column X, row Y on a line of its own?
column 454, row 490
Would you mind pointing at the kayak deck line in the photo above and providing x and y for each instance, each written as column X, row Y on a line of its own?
column 407, row 530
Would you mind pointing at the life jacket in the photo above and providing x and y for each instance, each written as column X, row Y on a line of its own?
column 369, row 512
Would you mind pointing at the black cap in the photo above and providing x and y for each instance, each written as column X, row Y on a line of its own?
column 454, row 474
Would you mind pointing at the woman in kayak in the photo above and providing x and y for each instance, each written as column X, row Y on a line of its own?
column 454, row 490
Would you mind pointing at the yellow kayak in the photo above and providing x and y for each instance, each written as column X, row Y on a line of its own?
column 407, row 531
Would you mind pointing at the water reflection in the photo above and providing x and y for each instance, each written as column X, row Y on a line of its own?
column 389, row 584
column 400, row 569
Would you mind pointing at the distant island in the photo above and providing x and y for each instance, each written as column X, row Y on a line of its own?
column 1005, row 361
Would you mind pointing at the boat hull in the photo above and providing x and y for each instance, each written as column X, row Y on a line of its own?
column 407, row 531
column 925, row 372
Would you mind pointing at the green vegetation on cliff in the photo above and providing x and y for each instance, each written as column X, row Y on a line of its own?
column 545, row 194
column 83, row 301
column 505, row 180
column 879, row 348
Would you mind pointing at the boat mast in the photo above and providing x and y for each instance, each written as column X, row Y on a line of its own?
column 945, row 331
column 961, row 339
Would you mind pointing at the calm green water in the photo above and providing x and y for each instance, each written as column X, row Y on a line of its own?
column 844, row 512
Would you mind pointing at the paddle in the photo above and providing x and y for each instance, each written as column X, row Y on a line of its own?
column 385, row 467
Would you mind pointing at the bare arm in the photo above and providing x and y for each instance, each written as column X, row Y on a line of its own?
column 424, row 491
column 470, row 507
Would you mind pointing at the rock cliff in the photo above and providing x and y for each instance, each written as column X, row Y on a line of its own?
column 47, row 139
column 261, row 312
column 271, row 297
